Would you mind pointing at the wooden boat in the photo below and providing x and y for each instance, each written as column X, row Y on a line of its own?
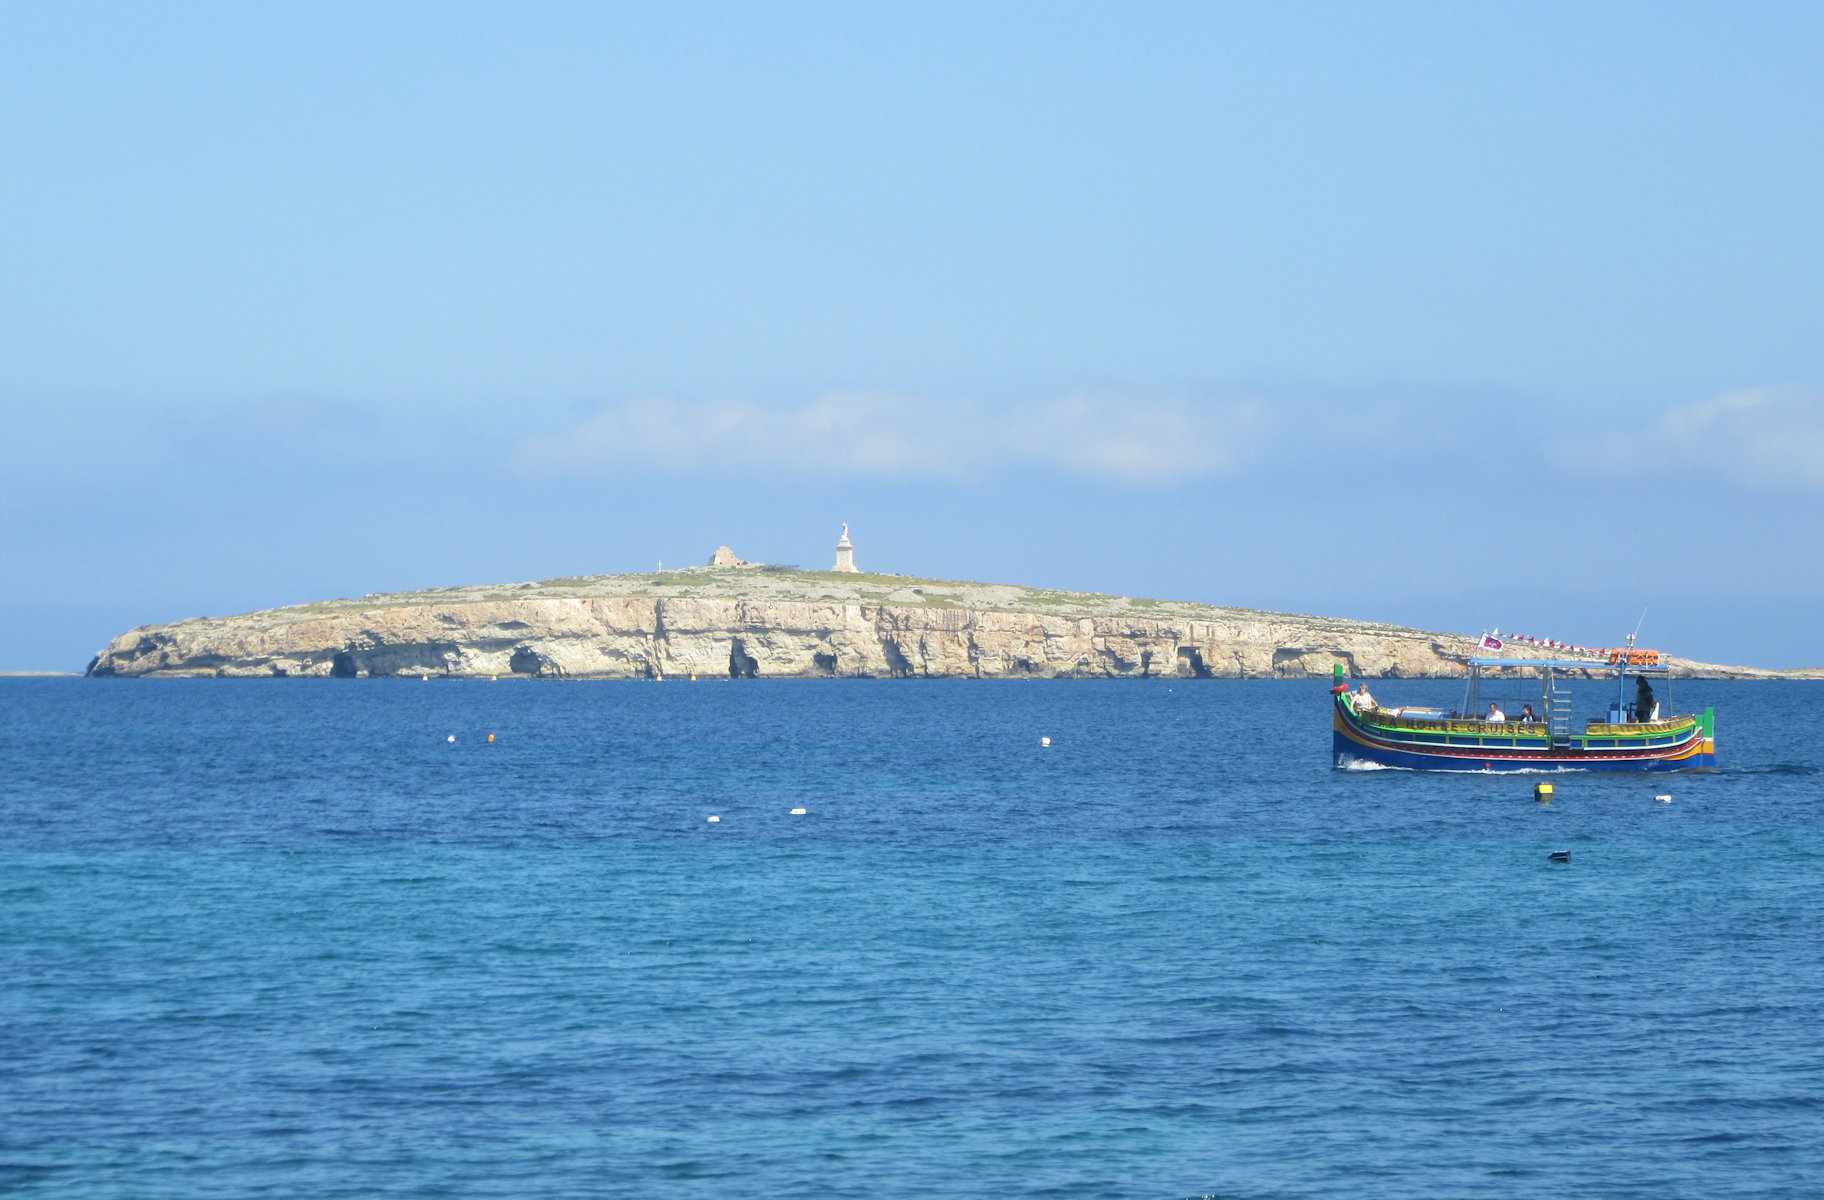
column 1624, row 739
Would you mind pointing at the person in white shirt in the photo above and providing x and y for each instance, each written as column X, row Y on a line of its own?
column 1494, row 714
column 1363, row 701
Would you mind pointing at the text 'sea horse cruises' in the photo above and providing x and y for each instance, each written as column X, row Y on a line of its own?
column 1499, row 729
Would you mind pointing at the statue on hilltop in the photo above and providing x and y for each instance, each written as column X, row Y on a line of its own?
column 845, row 554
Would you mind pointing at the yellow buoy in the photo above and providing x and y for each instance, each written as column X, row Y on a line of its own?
column 1542, row 792
column 490, row 737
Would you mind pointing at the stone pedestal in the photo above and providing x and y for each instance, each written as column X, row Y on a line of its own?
column 845, row 554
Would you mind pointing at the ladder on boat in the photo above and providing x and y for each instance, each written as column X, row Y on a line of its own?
column 1558, row 703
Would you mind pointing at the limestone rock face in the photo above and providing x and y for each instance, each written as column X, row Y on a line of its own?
column 802, row 625
column 746, row 622
column 653, row 638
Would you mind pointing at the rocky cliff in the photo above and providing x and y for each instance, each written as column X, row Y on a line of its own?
column 744, row 622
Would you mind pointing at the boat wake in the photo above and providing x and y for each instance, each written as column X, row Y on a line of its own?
column 1362, row 764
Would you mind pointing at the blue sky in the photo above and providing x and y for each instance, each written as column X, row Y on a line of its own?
column 1436, row 314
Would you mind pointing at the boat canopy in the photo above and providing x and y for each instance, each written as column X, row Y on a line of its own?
column 1569, row 664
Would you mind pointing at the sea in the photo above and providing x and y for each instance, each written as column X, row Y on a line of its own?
column 377, row 938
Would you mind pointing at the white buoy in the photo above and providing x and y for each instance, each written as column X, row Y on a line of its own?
column 797, row 812
column 714, row 819
column 1044, row 741
column 1664, row 797
column 452, row 737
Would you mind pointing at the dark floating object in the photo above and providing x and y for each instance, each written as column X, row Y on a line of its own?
column 1561, row 856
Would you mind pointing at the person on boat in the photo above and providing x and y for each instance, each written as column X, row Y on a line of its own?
column 1494, row 713
column 1526, row 714
column 1363, row 701
column 1645, row 708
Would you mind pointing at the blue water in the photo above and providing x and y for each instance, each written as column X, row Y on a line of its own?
column 282, row 938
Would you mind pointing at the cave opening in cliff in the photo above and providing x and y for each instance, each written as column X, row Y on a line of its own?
column 1190, row 659
column 525, row 662
column 343, row 666
column 741, row 665
column 898, row 665
column 825, row 662
column 1290, row 660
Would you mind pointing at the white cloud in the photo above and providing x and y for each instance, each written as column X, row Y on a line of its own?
column 852, row 435
column 1771, row 437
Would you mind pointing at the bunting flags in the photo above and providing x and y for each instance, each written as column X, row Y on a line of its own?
column 1490, row 642
column 1560, row 647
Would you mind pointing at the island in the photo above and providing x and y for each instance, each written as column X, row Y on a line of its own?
column 740, row 620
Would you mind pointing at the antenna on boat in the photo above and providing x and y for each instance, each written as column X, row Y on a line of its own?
column 1627, row 660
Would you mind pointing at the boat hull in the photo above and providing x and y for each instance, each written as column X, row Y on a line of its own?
column 1470, row 746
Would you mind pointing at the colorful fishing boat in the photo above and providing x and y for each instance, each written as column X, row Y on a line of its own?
column 1630, row 736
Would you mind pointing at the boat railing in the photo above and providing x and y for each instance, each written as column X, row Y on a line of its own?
column 1388, row 718
column 1635, row 728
